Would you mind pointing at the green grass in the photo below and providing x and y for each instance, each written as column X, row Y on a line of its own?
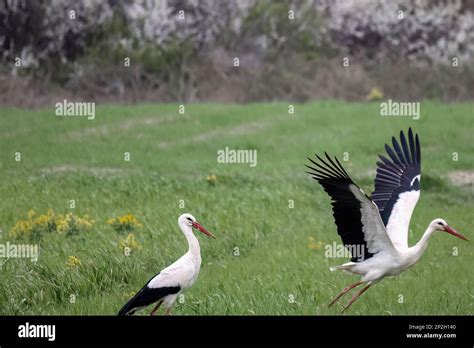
column 171, row 157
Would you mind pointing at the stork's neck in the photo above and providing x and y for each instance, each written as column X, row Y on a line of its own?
column 419, row 248
column 193, row 243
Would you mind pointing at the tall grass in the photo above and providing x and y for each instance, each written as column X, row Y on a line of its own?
column 261, row 262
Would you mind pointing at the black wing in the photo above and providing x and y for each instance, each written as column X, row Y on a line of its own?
column 399, row 175
column 147, row 296
column 357, row 218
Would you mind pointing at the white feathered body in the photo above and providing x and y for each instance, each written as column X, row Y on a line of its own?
column 183, row 273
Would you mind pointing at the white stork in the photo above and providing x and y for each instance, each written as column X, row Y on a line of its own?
column 378, row 226
column 165, row 287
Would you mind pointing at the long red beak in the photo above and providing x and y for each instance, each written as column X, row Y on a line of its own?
column 454, row 232
column 203, row 230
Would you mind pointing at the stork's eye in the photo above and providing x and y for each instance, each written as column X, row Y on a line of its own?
column 440, row 223
column 189, row 219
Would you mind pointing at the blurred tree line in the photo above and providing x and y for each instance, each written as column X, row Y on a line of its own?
column 235, row 50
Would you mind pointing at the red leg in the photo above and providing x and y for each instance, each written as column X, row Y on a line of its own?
column 346, row 289
column 356, row 296
column 153, row 312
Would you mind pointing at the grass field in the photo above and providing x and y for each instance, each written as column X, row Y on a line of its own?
column 277, row 269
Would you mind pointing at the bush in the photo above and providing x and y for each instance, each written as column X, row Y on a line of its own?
column 183, row 50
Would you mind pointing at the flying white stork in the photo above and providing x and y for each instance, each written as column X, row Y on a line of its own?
column 165, row 287
column 378, row 226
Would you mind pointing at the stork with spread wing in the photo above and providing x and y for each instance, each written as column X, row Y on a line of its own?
column 378, row 226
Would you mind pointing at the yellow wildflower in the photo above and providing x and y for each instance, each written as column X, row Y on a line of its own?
column 72, row 224
column 212, row 179
column 21, row 228
column 375, row 94
column 73, row 262
column 124, row 223
column 312, row 244
column 130, row 242
column 36, row 225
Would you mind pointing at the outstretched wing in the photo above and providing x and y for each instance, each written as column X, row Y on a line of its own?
column 357, row 218
column 397, row 186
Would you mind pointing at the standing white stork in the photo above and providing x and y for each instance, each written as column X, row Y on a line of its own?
column 378, row 226
column 165, row 287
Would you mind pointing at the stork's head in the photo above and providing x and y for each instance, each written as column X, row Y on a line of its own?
column 189, row 220
column 441, row 225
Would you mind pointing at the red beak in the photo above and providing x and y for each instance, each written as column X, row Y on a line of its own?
column 203, row 230
column 454, row 232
